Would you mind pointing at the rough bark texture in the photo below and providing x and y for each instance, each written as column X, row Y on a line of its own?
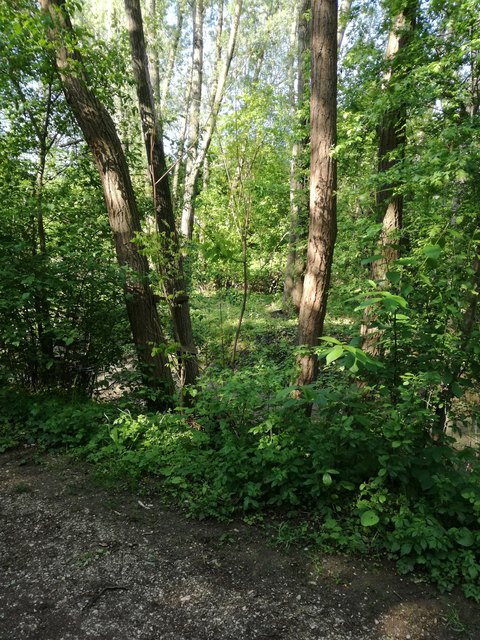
column 293, row 286
column 100, row 134
column 323, row 182
column 171, row 269
column 389, row 201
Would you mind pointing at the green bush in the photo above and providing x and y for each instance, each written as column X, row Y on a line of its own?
column 365, row 473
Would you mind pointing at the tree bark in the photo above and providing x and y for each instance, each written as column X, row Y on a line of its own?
column 193, row 119
column 344, row 13
column 100, row 134
column 153, row 61
column 167, row 78
column 196, row 160
column 388, row 199
column 323, row 183
column 293, row 286
column 172, row 269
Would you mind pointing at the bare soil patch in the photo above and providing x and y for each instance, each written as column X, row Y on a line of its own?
column 79, row 562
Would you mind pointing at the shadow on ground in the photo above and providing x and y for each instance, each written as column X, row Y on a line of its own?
column 77, row 562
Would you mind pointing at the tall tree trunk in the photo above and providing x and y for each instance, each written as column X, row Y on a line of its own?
column 100, row 134
column 293, row 286
column 172, row 54
column 193, row 119
column 172, row 270
column 41, row 298
column 343, row 16
column 196, row 160
column 323, row 183
column 153, row 61
column 389, row 199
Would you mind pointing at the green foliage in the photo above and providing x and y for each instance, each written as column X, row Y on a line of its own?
column 367, row 472
column 255, row 189
column 375, row 469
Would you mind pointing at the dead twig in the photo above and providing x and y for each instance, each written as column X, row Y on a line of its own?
column 108, row 587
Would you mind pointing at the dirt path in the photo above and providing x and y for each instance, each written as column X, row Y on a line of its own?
column 77, row 562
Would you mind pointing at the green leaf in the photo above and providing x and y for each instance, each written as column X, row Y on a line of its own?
column 394, row 276
column 335, row 353
column 371, row 259
column 327, row 479
column 432, row 251
column 465, row 538
column 369, row 518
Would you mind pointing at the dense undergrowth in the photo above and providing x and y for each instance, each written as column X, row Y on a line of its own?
column 361, row 476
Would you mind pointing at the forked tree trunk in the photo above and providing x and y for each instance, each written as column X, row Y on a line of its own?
column 196, row 160
column 172, row 268
column 323, row 183
column 100, row 134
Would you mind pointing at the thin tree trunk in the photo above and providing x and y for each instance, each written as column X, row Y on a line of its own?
column 172, row 269
column 172, row 55
column 389, row 200
column 193, row 119
column 177, row 170
column 102, row 139
column 153, row 58
column 323, row 183
column 213, row 90
column 245, row 293
column 343, row 16
column 293, row 286
column 197, row 159
column 41, row 299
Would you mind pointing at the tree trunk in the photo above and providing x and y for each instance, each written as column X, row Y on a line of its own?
column 172, row 269
column 389, row 200
column 153, row 61
column 196, row 160
column 167, row 78
column 293, row 286
column 42, row 304
column 193, row 119
column 100, row 134
column 344, row 13
column 323, row 182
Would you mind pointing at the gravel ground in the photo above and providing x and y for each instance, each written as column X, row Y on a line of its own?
column 79, row 562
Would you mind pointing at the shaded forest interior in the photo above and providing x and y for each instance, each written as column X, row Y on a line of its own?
column 240, row 258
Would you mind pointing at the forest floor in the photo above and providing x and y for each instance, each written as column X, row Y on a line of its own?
column 78, row 561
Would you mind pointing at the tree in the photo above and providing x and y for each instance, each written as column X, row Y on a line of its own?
column 171, row 267
column 391, row 149
column 198, row 148
column 293, row 286
column 323, row 182
column 100, row 134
